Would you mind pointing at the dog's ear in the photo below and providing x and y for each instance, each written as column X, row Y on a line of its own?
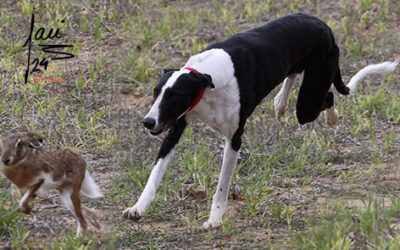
column 169, row 70
column 204, row 78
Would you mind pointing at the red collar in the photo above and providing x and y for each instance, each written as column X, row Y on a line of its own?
column 191, row 69
column 198, row 98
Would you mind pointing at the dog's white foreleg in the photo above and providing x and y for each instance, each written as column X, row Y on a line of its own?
column 165, row 155
column 220, row 199
column 282, row 98
column 149, row 192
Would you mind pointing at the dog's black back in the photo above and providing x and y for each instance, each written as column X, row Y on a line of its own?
column 265, row 55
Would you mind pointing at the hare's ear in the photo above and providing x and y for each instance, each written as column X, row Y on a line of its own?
column 35, row 140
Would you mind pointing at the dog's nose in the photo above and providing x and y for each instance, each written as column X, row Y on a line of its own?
column 5, row 161
column 149, row 123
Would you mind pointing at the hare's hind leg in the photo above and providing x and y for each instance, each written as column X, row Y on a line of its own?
column 72, row 201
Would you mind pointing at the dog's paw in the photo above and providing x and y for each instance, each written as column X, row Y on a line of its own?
column 212, row 224
column 331, row 116
column 280, row 111
column 133, row 213
column 280, row 105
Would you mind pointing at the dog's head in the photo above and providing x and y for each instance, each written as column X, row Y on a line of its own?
column 173, row 96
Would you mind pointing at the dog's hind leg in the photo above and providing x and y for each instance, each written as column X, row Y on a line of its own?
column 331, row 116
column 165, row 155
column 282, row 98
column 220, row 198
column 337, row 77
column 313, row 94
column 330, row 113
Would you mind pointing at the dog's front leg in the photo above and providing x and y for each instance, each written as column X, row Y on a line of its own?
column 165, row 155
column 220, row 199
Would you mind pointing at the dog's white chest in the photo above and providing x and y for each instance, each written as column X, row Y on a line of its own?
column 220, row 109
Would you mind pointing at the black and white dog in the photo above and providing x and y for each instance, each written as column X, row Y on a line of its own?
column 223, row 84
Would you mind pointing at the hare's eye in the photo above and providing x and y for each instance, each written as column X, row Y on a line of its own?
column 18, row 144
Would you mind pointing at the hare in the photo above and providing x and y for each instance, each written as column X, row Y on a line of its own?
column 36, row 168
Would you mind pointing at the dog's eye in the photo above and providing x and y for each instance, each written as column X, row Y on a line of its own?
column 156, row 92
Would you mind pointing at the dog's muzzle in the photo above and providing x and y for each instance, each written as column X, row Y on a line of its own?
column 156, row 129
column 149, row 123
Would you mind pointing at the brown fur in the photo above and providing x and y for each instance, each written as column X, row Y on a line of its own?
column 25, row 161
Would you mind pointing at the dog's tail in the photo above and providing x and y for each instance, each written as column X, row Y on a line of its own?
column 368, row 70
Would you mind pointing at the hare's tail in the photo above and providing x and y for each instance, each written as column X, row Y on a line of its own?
column 90, row 188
